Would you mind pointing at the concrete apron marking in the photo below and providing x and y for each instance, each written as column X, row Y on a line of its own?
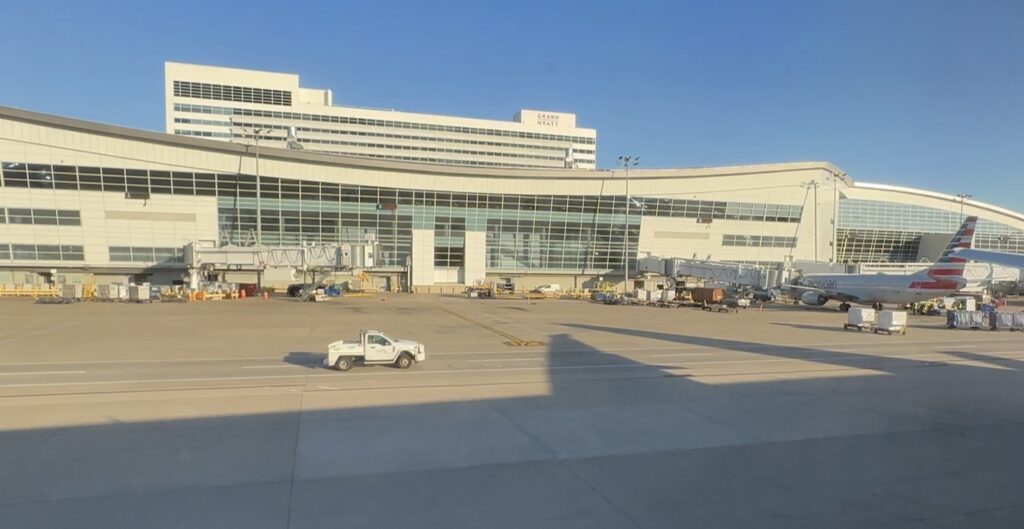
column 512, row 341
column 279, row 366
column 636, row 348
column 43, row 373
column 142, row 361
column 921, row 358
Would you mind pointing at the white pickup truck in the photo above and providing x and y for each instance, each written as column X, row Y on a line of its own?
column 373, row 347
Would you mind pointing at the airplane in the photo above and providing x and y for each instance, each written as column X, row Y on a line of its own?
column 1000, row 258
column 942, row 278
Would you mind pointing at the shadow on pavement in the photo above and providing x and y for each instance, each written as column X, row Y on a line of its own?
column 793, row 352
column 809, row 327
column 1008, row 363
column 590, row 439
column 305, row 359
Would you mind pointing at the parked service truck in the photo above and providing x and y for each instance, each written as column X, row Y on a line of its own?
column 374, row 348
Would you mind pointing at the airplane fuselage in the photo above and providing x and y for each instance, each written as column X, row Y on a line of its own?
column 880, row 288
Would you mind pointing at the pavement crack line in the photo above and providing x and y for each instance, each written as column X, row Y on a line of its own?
column 565, row 464
column 295, row 457
column 606, row 499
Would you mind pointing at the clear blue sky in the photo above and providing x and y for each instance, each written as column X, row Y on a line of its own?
column 919, row 93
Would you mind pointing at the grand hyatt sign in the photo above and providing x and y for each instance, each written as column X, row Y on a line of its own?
column 547, row 120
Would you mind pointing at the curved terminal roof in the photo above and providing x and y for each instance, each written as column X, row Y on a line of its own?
column 941, row 196
column 395, row 165
column 335, row 160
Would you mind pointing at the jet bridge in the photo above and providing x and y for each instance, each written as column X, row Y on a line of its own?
column 305, row 258
column 720, row 272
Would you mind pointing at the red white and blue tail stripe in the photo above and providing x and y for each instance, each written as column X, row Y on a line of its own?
column 950, row 266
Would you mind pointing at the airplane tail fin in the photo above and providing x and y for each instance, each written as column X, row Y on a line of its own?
column 950, row 266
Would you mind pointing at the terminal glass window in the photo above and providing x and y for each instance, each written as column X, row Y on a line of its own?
column 19, row 216
column 145, row 254
column 450, row 238
column 877, row 231
column 42, row 252
column 15, row 174
column 41, row 217
column 759, row 241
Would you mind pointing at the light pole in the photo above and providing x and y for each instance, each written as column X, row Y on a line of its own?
column 626, row 162
column 835, row 217
column 813, row 184
column 255, row 132
column 962, row 197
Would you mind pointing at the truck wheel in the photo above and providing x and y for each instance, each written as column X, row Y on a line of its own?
column 404, row 361
column 343, row 364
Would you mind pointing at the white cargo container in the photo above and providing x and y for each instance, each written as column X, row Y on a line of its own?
column 71, row 291
column 859, row 318
column 111, row 292
column 968, row 303
column 890, row 321
column 139, row 292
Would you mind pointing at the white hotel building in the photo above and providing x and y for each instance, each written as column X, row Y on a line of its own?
column 238, row 105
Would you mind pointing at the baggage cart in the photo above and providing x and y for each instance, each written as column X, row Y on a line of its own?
column 719, row 307
column 965, row 319
column 1012, row 321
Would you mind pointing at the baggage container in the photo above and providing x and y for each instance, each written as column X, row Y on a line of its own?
column 891, row 321
column 139, row 292
column 71, row 291
column 969, row 303
column 709, row 295
column 859, row 318
column 250, row 289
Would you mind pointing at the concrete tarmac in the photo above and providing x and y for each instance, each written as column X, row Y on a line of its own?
column 219, row 414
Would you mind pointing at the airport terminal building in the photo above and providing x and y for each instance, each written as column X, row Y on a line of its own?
column 82, row 201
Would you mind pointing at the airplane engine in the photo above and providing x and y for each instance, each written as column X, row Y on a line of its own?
column 811, row 298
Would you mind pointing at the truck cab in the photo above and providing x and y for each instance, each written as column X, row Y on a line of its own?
column 374, row 347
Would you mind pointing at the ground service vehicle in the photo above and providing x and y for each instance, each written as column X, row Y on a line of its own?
column 373, row 347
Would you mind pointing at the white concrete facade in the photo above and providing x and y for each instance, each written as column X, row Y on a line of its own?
column 423, row 257
column 230, row 104
column 543, row 224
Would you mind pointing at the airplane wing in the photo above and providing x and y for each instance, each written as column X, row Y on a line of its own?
column 999, row 258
